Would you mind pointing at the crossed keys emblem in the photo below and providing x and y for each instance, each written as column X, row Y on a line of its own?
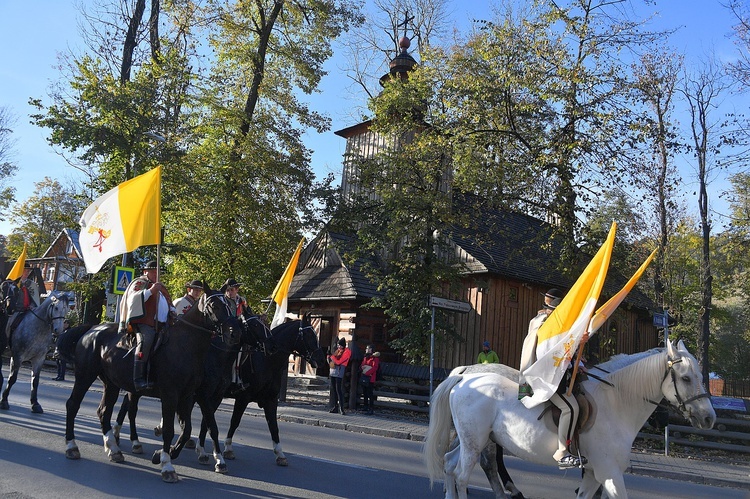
column 100, row 220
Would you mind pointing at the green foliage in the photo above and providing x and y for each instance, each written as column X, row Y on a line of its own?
column 41, row 218
column 7, row 167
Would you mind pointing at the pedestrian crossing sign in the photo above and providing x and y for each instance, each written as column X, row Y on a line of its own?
column 123, row 277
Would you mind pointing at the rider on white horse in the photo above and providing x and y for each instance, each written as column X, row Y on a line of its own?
column 566, row 403
column 27, row 297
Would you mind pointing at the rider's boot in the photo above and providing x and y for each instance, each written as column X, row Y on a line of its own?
column 139, row 375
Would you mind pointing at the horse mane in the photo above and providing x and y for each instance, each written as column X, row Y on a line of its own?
column 632, row 374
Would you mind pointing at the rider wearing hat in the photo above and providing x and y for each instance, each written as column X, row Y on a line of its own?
column 194, row 289
column 566, row 403
column 146, row 306
column 26, row 297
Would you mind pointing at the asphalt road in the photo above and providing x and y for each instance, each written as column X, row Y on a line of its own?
column 323, row 462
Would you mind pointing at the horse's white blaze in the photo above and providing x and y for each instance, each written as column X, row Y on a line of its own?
column 278, row 451
column 485, row 406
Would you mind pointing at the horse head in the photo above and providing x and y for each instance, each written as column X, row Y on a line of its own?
column 214, row 308
column 683, row 387
column 307, row 345
column 9, row 292
column 58, row 309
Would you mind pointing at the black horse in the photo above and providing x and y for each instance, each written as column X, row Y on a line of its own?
column 176, row 370
column 217, row 376
column 263, row 375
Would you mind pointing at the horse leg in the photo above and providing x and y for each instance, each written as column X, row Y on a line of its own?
column 589, row 487
column 209, row 419
column 450, row 462
column 36, row 368
column 240, row 404
column 504, row 475
column 200, row 448
column 615, row 487
column 135, row 444
column 120, row 420
column 270, row 409
column 15, row 366
column 104, row 411
column 184, row 411
column 161, row 456
column 72, row 405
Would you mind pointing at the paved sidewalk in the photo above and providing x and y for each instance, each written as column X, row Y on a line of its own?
column 296, row 410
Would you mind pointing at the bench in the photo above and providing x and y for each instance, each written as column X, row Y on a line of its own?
column 409, row 385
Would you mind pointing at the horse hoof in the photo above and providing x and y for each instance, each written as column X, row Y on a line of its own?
column 156, row 458
column 170, row 476
column 280, row 461
column 190, row 444
column 117, row 457
column 4, row 405
column 37, row 409
column 229, row 454
column 157, row 431
column 137, row 449
column 220, row 468
column 203, row 459
column 73, row 453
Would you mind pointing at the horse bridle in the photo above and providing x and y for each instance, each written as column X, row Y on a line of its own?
column 670, row 371
column 49, row 313
column 301, row 337
column 217, row 330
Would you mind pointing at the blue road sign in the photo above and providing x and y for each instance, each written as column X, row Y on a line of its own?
column 123, row 277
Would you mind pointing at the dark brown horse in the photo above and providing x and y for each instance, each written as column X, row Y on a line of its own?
column 176, row 368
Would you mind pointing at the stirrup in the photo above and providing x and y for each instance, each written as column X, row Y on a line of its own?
column 570, row 461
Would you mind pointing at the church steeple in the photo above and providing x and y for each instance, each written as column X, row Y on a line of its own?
column 403, row 62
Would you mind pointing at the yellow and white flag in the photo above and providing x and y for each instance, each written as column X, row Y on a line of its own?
column 281, row 291
column 121, row 220
column 606, row 310
column 17, row 270
column 561, row 333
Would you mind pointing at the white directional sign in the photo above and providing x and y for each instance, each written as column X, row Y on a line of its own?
column 458, row 306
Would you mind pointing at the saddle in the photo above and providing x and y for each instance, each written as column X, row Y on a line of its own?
column 585, row 414
column 128, row 340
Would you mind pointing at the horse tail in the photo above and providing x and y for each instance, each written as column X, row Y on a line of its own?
column 67, row 341
column 438, row 435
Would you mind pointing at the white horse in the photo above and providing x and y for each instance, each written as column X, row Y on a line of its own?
column 30, row 341
column 485, row 408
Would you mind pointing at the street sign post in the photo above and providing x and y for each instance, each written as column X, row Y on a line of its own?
column 452, row 305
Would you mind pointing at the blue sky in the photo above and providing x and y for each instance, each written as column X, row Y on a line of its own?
column 32, row 34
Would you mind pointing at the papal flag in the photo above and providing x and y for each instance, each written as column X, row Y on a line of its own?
column 17, row 270
column 123, row 219
column 561, row 333
column 282, row 288
column 606, row 310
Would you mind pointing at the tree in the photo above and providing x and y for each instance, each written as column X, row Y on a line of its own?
column 7, row 167
column 41, row 218
column 547, row 135
column 703, row 92
column 656, row 79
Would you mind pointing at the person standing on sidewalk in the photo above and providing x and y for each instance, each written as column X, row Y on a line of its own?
column 487, row 355
column 60, row 362
column 338, row 362
column 369, row 369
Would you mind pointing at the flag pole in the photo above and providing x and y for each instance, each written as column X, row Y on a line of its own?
column 584, row 339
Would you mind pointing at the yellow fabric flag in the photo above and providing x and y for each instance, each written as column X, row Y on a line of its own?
column 121, row 220
column 282, row 287
column 561, row 333
column 606, row 310
column 17, row 270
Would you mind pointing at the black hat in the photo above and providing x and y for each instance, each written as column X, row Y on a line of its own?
column 342, row 342
column 194, row 284
column 151, row 265
column 554, row 293
column 553, row 304
column 231, row 283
